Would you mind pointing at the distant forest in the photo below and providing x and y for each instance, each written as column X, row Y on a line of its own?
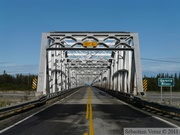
column 16, row 82
column 153, row 82
column 24, row 82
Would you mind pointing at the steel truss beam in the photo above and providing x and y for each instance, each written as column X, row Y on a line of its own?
column 114, row 64
column 91, row 49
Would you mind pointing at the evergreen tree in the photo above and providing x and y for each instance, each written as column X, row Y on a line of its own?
column 18, row 82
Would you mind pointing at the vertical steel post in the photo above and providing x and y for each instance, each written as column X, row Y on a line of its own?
column 42, row 76
column 137, row 65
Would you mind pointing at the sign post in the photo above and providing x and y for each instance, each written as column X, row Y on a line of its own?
column 171, row 95
column 166, row 82
column 161, row 94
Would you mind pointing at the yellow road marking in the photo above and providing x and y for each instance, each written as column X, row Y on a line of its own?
column 89, row 114
column 87, row 111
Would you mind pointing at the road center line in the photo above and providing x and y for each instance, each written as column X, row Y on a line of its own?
column 89, row 113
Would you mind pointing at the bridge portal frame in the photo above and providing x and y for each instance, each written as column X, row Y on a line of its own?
column 123, row 72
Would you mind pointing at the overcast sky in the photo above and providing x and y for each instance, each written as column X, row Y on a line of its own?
column 156, row 21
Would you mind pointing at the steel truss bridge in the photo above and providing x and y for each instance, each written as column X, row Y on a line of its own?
column 65, row 104
column 70, row 59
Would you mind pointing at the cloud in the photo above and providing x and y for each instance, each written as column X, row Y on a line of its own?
column 149, row 68
column 11, row 68
column 4, row 63
column 175, row 35
column 153, row 68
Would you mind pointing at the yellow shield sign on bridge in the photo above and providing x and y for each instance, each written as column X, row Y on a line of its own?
column 90, row 44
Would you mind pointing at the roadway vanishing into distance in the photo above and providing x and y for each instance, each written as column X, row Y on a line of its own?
column 88, row 111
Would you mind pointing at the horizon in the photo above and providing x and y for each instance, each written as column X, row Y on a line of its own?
column 156, row 22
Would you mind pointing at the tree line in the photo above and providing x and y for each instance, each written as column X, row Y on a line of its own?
column 24, row 82
column 16, row 82
column 153, row 82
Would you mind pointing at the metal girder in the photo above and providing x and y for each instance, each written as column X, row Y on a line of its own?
column 114, row 62
column 90, row 49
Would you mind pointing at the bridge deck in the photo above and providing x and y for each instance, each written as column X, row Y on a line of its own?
column 68, row 117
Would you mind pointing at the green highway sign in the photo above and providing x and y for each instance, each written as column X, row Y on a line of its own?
column 165, row 82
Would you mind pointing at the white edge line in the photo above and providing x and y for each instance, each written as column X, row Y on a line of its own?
column 3, row 130
column 176, row 126
column 165, row 121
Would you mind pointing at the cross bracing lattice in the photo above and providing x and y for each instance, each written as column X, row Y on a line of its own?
column 113, row 64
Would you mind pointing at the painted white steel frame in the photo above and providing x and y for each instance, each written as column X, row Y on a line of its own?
column 114, row 64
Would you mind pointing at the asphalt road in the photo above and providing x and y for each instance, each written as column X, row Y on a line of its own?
column 68, row 117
